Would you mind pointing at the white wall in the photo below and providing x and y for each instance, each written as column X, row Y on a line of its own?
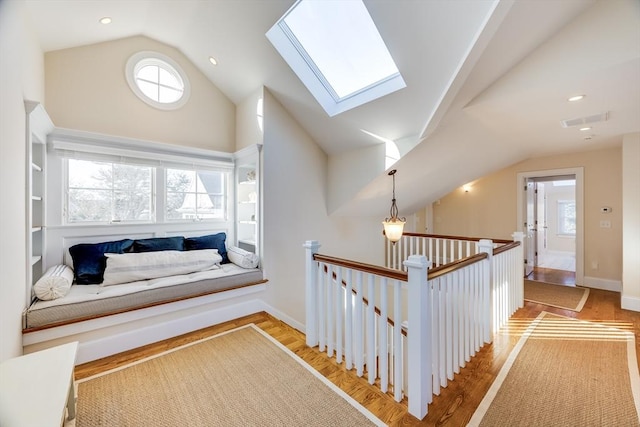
column 295, row 210
column 631, row 222
column 21, row 77
column 351, row 171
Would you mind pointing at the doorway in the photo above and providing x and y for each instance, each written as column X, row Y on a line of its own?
column 550, row 215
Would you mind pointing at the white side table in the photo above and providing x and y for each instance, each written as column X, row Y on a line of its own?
column 36, row 388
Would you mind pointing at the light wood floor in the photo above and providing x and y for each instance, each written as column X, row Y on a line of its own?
column 456, row 403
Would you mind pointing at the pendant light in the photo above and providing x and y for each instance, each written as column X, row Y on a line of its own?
column 393, row 226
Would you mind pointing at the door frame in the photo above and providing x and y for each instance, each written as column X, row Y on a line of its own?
column 522, row 212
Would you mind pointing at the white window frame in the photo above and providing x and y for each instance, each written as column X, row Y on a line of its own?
column 561, row 208
column 225, row 195
column 303, row 66
column 66, row 193
column 65, row 143
column 143, row 58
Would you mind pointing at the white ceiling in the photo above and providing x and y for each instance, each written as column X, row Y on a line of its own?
column 484, row 90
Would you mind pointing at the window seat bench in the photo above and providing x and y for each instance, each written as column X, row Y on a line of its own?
column 109, row 319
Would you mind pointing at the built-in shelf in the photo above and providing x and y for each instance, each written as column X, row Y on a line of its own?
column 39, row 125
column 248, row 201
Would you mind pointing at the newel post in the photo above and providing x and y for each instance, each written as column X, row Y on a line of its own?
column 488, row 291
column 419, row 387
column 518, row 236
column 311, row 289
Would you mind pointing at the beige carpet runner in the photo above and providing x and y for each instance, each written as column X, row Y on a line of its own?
column 554, row 295
column 565, row 372
column 239, row 378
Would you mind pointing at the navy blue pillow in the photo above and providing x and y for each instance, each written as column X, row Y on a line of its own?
column 159, row 244
column 89, row 261
column 210, row 241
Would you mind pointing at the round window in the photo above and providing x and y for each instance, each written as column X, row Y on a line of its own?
column 157, row 80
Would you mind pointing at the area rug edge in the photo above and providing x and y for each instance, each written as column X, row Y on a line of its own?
column 484, row 405
column 357, row 405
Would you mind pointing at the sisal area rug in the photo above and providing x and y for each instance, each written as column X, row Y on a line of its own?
column 565, row 372
column 239, row 378
column 554, row 295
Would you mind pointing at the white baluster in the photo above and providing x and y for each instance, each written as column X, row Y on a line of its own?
column 397, row 342
column 359, row 327
column 449, row 325
column 339, row 313
column 311, row 288
column 371, row 330
column 348, row 331
column 322, row 284
column 433, row 287
column 330, row 314
column 383, row 331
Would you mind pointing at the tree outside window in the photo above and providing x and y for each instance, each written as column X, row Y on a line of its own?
column 196, row 195
column 105, row 192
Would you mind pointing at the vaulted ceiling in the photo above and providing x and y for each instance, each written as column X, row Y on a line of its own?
column 487, row 82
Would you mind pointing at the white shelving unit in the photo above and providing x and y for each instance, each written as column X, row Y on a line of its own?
column 39, row 125
column 248, row 200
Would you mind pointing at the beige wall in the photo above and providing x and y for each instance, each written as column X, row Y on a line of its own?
column 86, row 89
column 489, row 209
column 21, row 77
column 631, row 218
column 295, row 210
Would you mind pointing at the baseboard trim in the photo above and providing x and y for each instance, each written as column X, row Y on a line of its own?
column 117, row 343
column 630, row 303
column 284, row 317
column 604, row 284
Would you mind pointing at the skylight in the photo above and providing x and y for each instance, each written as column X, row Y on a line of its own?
column 336, row 50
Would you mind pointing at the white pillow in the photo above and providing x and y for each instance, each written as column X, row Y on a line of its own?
column 131, row 267
column 244, row 259
column 54, row 283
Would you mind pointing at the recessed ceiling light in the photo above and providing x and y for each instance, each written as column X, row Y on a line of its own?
column 587, row 128
column 213, row 60
column 576, row 98
column 106, row 20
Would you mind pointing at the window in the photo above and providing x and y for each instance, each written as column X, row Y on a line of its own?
column 108, row 192
column 196, row 195
column 157, row 80
column 566, row 217
column 336, row 50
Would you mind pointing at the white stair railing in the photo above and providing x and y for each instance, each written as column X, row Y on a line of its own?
column 449, row 312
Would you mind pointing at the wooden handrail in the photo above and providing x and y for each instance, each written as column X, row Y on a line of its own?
column 456, row 265
column 471, row 239
column 366, row 302
column 505, row 248
column 366, row 268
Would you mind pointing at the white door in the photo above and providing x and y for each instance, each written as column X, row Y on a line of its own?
column 529, row 227
column 540, row 223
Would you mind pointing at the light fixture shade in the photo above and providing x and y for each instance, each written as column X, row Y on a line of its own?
column 393, row 229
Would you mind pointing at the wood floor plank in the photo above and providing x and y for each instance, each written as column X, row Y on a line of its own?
column 453, row 407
